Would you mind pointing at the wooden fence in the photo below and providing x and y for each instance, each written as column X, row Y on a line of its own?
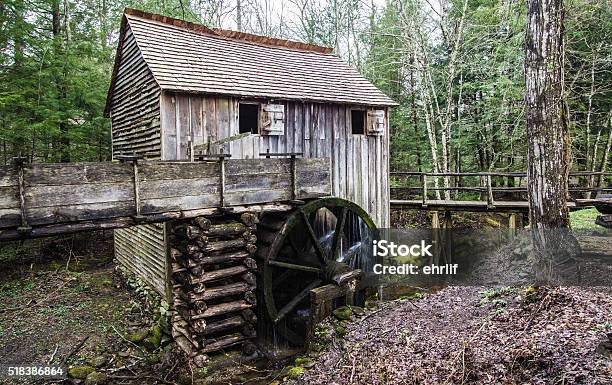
column 486, row 188
column 44, row 199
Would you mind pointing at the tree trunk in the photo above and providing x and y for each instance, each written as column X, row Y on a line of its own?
column 548, row 135
column 606, row 154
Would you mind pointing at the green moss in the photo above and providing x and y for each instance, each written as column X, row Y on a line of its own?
column 294, row 372
column 137, row 336
column 531, row 294
column 304, row 362
column 154, row 358
column 80, row 372
column 343, row 313
column 340, row 331
column 156, row 331
column 152, row 342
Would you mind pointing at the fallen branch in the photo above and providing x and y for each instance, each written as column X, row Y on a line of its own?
column 74, row 350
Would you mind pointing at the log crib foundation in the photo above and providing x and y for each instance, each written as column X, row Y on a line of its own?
column 213, row 284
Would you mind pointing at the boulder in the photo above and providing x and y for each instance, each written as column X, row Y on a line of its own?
column 81, row 372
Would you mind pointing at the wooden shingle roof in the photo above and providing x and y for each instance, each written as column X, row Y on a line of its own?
column 192, row 58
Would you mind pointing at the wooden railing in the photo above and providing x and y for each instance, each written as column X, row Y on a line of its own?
column 486, row 187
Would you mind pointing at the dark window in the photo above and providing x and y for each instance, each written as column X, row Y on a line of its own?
column 248, row 118
column 358, row 122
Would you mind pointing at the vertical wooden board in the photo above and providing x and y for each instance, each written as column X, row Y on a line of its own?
column 282, row 140
column 323, row 120
column 235, row 147
column 314, row 133
column 197, row 125
column 298, row 124
column 365, row 188
column 289, row 126
column 223, row 115
column 356, row 166
column 210, row 119
column 335, row 161
column 371, row 148
column 256, row 146
column 350, row 155
column 169, row 126
column 307, row 130
column 379, row 178
column 264, row 143
column 183, row 126
column 386, row 192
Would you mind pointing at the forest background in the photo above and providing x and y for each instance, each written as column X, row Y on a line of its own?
column 455, row 66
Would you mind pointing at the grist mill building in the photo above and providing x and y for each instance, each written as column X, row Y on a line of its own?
column 180, row 91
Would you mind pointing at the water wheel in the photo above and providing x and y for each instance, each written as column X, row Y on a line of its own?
column 328, row 240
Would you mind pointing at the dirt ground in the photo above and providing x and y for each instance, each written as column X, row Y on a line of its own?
column 74, row 310
column 473, row 335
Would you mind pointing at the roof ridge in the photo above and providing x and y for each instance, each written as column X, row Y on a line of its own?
column 233, row 35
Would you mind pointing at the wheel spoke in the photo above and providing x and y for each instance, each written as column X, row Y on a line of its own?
column 294, row 266
column 315, row 241
column 295, row 301
column 338, row 233
column 281, row 278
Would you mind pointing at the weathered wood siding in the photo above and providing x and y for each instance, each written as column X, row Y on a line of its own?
column 135, row 118
column 359, row 163
column 142, row 249
column 135, row 104
column 65, row 193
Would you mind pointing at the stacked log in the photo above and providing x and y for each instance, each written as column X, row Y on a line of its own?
column 213, row 283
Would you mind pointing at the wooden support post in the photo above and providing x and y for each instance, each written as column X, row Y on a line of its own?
column 490, row 201
column 512, row 225
column 447, row 226
column 222, row 180
column 293, row 179
column 435, row 228
column 435, row 220
column 136, row 180
column 19, row 162
column 424, row 189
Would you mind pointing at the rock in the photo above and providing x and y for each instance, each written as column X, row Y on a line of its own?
column 200, row 360
column 605, row 349
column 343, row 313
column 165, row 340
column 138, row 335
column 80, row 372
column 358, row 311
column 96, row 378
column 98, row 361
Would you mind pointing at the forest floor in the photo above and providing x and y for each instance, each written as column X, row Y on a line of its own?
column 76, row 311
column 472, row 335
column 64, row 303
